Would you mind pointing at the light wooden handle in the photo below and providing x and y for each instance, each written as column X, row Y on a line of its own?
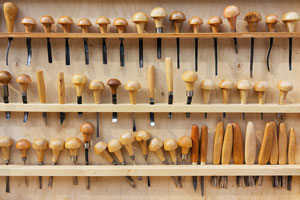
column 5, row 153
column 266, row 145
column 41, row 86
column 195, row 144
column 107, row 156
column 97, row 96
column 40, row 155
column 203, row 145
column 119, row 155
column 132, row 96
column 238, row 145
column 151, row 81
column 218, row 142
column 173, row 156
column 274, row 152
column 244, row 96
column 250, row 144
column 144, row 148
column 292, row 147
column 10, row 13
column 282, row 144
column 129, row 149
column 79, row 89
column 55, row 155
column 74, row 152
column 169, row 73
column 227, row 145
column 61, row 88
column 225, row 96
column 160, row 154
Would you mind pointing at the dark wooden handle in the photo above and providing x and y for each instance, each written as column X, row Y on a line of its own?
column 195, row 144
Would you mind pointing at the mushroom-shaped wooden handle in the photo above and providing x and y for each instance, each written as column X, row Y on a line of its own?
column 271, row 21
column 252, row 18
column 47, row 22
column 284, row 87
column 65, row 22
column 10, row 13
column 73, row 144
column 207, row 85
column 40, row 145
column 274, row 153
column 203, row 144
column 215, row 22
column 87, row 130
column 177, row 17
column 132, row 87
column 292, row 147
column 140, row 19
column 244, row 86
column 227, row 145
column 282, row 144
column 5, row 143
column 23, row 145
column 185, row 142
column 142, row 137
column 158, row 14
column 84, row 24
column 23, row 80
column 231, row 13
column 121, row 24
column 290, row 19
column 266, row 145
column 218, row 143
column 189, row 77
column 115, row 146
column 113, row 83
column 5, row 77
column 260, row 88
column 195, row 22
column 238, row 145
column 250, row 144
column 28, row 23
column 195, row 144
column 126, row 140
column 57, row 145
column 79, row 81
column 103, row 22
column 97, row 87
column 151, row 81
column 101, row 149
column 170, row 145
column 156, row 146
column 226, row 85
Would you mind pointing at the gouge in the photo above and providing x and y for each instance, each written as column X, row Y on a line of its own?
column 169, row 78
column 260, row 88
column 97, row 87
column 56, row 145
column 40, row 145
column 195, row 151
column 189, row 77
column 274, row 153
column 79, row 81
column 282, row 151
column 203, row 152
column 61, row 93
column 41, row 91
column 226, row 85
column 207, row 85
column 5, row 143
column 103, row 22
column 151, row 90
column 177, row 18
column 10, row 13
column 121, row 24
column 114, row 84
column 195, row 22
column 28, row 23
column 24, row 80
column 47, row 22
column 290, row 19
column 73, row 144
column 291, row 155
column 185, row 142
column 5, row 78
column 84, row 24
column 158, row 14
column 140, row 19
column 231, row 13
column 215, row 22
column 271, row 21
column 244, row 86
column 23, row 145
column 66, row 22
column 250, row 150
column 238, row 151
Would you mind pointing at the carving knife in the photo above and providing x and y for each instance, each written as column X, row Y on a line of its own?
column 151, row 88
column 169, row 78
column 61, row 94
column 195, row 151
column 41, row 91
column 47, row 22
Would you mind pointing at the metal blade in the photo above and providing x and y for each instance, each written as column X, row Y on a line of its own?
column 289, row 183
column 178, row 52
column 25, row 117
column 50, row 182
column 235, row 45
column 49, row 50
column 98, row 124
column 189, row 101
column 7, row 115
column 114, row 117
column 170, row 102
column 45, row 118
column 62, row 117
column 67, row 51
column 104, row 51
column 7, row 49
column 194, row 178
column 159, row 30
column 79, row 101
column 251, row 56
column 196, row 54
column 7, row 185
column 216, row 55
column 131, row 182
column 133, row 123
column 29, row 52
column 40, row 182
column 141, row 60
column 202, row 185
column 290, row 53
column 122, row 57
column 152, row 122
column 269, row 52
column 148, row 181
column 86, row 50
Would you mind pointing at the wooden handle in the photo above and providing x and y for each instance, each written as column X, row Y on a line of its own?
column 129, row 149
column 218, row 142
column 292, row 147
column 5, row 153
column 144, row 148
column 238, row 145
column 61, row 88
column 151, row 81
column 160, row 154
column 107, row 156
column 41, row 86
column 203, row 145
column 10, row 13
column 74, row 152
column 274, row 152
column 169, row 73
column 282, row 144
column 87, row 130
column 40, row 155
column 250, row 144
column 132, row 96
column 227, row 145
column 195, row 144
column 266, row 145
column 55, row 155
column 119, row 155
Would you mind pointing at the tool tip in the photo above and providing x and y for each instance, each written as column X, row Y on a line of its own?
column 114, row 120
column 152, row 124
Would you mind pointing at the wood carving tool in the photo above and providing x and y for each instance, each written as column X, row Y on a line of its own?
column 274, row 153
column 169, row 78
column 226, row 152
column 217, row 149
column 260, row 88
column 159, row 14
column 24, row 80
column 177, row 18
column 97, row 87
column 5, row 143
column 23, row 145
column 28, row 23
column 185, row 142
column 238, row 151
column 226, row 85
column 79, row 81
column 231, row 13
column 143, row 137
column 132, row 87
column 47, row 22
column 56, row 145
column 66, row 22
column 85, row 23
column 284, row 87
column 189, row 77
column 215, row 22
column 203, row 152
column 73, row 144
column 61, row 93
column 290, row 19
column 103, row 23
column 121, row 24
column 10, row 13
column 87, row 130
column 250, row 151
column 114, row 84
column 195, row 151
column 5, row 78
column 115, row 146
column 291, row 155
column 252, row 18
column 243, row 86
column 151, row 90
column 207, row 85
column 140, row 19
column 196, row 22
column 42, row 91
column 271, row 21
column 156, row 145
column 282, row 151
column 40, row 145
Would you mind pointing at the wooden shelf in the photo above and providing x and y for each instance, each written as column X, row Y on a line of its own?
column 158, row 108
column 150, row 170
column 153, row 35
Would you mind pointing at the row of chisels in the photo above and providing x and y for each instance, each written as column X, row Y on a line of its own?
column 140, row 19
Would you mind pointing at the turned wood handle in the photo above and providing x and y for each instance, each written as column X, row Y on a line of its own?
column 218, row 142
column 169, row 73
column 238, row 145
column 203, row 145
column 266, row 145
column 227, row 145
column 282, row 144
column 41, row 86
column 10, row 13
column 151, row 81
column 195, row 144
column 274, row 153
column 250, row 144
column 292, row 147
column 61, row 88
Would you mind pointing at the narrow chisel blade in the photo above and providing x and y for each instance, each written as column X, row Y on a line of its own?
column 26, row 117
column 7, row 114
column 202, row 185
column 114, row 117
column 62, row 117
column 7, row 49
column 29, row 52
column 152, row 122
column 45, row 118
column 98, row 124
column 195, row 183
column 86, row 50
column 49, row 50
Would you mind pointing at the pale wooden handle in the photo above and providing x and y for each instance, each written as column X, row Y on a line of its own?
column 144, row 147
column 74, row 152
column 244, row 96
column 107, row 156
column 40, row 155
column 227, row 145
column 282, row 144
column 151, row 81
column 238, row 145
column 173, row 156
column 206, row 96
column 274, row 152
column 5, row 153
column 203, row 145
column 119, row 155
column 129, row 149
column 97, row 96
column 250, row 144
column 55, row 155
column 292, row 147
column 41, row 86
column 132, row 96
column 195, row 144
column 79, row 89
column 160, row 154
column 218, row 142
column 61, row 88
column 169, row 73
column 266, row 145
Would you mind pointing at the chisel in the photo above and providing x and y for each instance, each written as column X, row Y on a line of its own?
column 217, row 149
column 84, row 24
column 238, row 151
column 114, row 84
column 169, row 78
column 23, row 145
column 5, row 143
column 203, row 152
column 24, row 80
column 79, row 81
column 260, row 88
column 282, row 151
column 274, row 153
column 73, row 144
column 66, row 22
column 271, row 21
column 243, row 86
column 121, row 24
column 5, row 78
column 250, row 151
column 291, row 155
column 41, row 91
column 28, row 23
column 97, row 87
column 226, row 85
column 207, row 85
column 151, row 90
column 47, row 22
column 10, row 13
column 61, row 93
column 195, row 151
column 185, row 142
column 195, row 22
column 103, row 22
column 56, row 145
column 189, row 77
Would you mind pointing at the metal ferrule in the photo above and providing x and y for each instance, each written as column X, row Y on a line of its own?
column 24, row 97
column 79, row 100
column 145, row 157
column 159, row 30
column 74, row 159
column 132, row 157
column 165, row 162
column 184, row 157
column 123, row 163
column 170, row 100
column 6, row 162
column 114, row 162
column 86, row 145
column 40, row 163
column 53, row 163
column 189, row 93
column 24, row 159
column 151, row 100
